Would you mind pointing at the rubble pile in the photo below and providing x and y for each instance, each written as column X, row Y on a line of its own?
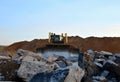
column 35, row 68
column 106, row 66
column 90, row 66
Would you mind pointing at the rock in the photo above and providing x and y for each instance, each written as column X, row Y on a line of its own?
column 105, row 73
column 73, row 59
column 31, row 67
column 69, row 74
column 117, row 59
column 105, row 53
column 99, row 55
column 99, row 79
column 91, row 52
column 23, row 53
column 99, row 62
column 5, row 57
column 90, row 68
column 60, row 60
column 61, row 64
column 106, row 67
column 1, row 77
column 117, row 55
column 112, row 58
column 52, row 58
column 113, row 68
column 75, row 74
column 63, row 59
column 80, row 60
column 53, row 76
column 113, row 80
column 32, row 64
column 8, row 70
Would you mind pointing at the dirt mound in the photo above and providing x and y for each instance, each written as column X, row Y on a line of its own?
column 32, row 46
column 110, row 44
column 1, row 48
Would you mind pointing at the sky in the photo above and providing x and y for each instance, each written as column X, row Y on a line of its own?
column 33, row 19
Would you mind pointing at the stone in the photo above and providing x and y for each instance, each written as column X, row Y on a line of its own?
column 5, row 57
column 23, row 53
column 53, row 76
column 69, row 74
column 7, row 70
column 29, row 68
column 52, row 58
column 112, row 67
column 61, row 64
column 63, row 59
column 105, row 73
column 99, row 78
column 32, row 64
column 80, row 60
column 117, row 59
column 1, row 76
column 91, row 52
column 105, row 53
column 99, row 62
column 75, row 74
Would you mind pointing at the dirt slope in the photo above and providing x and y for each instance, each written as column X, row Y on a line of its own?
column 110, row 44
column 2, row 48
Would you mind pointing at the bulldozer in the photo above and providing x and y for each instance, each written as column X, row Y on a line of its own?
column 58, row 46
column 57, row 39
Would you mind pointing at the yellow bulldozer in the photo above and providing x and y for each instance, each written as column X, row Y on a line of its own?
column 57, row 39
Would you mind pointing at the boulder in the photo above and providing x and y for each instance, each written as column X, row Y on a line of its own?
column 63, row 59
column 23, row 53
column 112, row 67
column 32, row 64
column 89, row 66
column 53, row 76
column 69, row 74
column 75, row 74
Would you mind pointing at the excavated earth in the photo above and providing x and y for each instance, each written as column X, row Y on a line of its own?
column 110, row 44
